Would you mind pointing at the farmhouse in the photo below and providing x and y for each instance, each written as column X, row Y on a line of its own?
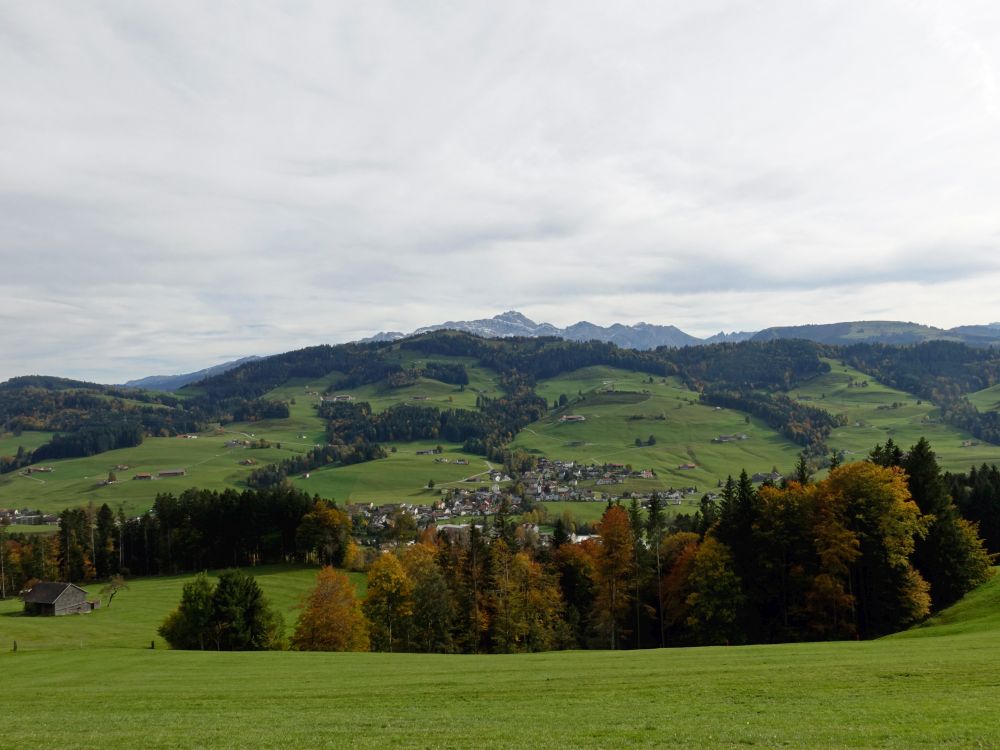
column 172, row 473
column 572, row 418
column 54, row 599
column 730, row 438
column 687, row 466
column 143, row 475
column 340, row 398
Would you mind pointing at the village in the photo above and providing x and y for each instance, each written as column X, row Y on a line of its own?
column 549, row 481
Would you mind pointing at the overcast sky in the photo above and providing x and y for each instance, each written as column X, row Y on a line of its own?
column 183, row 183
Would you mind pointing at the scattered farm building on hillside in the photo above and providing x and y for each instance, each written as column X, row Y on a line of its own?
column 572, row 418
column 730, row 438
column 54, row 599
column 172, row 473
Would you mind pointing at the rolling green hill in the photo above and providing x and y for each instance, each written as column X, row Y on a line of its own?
column 987, row 399
column 876, row 412
column 210, row 464
column 29, row 440
column 620, row 406
column 899, row 692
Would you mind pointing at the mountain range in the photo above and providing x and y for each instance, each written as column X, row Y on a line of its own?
column 650, row 336
column 513, row 323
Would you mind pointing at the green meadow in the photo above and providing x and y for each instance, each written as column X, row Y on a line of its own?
column 208, row 464
column 426, row 391
column 987, row 399
column 401, row 477
column 135, row 614
column 877, row 412
column 620, row 406
column 92, row 680
column 29, row 440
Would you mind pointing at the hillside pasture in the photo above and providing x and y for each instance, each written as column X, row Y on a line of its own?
column 208, row 463
column 620, row 406
column 401, row 477
column 427, row 391
column 872, row 418
column 29, row 440
column 987, row 399
column 902, row 692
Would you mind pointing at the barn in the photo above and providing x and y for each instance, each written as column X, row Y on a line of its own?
column 49, row 599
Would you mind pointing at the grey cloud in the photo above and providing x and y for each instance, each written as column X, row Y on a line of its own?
column 181, row 181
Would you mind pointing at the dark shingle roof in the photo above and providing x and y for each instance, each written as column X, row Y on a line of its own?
column 46, row 593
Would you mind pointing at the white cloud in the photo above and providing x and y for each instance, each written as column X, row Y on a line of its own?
column 183, row 183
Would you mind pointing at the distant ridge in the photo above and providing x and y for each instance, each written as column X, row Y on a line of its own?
column 882, row 332
column 176, row 382
column 651, row 336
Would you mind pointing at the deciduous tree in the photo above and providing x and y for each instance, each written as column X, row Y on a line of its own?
column 389, row 603
column 331, row 618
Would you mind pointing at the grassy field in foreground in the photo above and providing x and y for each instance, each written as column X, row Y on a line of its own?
column 135, row 614
column 893, row 693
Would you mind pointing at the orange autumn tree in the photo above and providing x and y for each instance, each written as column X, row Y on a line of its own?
column 331, row 617
column 615, row 569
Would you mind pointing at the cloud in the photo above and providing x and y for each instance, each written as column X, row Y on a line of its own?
column 185, row 183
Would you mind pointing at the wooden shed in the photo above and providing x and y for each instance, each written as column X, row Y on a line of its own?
column 53, row 599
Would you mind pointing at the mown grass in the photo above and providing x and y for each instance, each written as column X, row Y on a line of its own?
column 901, row 692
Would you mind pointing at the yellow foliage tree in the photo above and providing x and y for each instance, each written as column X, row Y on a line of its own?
column 331, row 617
column 389, row 604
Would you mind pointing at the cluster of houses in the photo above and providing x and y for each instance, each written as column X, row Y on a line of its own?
column 26, row 517
column 561, row 480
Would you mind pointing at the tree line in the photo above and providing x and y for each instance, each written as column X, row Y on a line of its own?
column 196, row 530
